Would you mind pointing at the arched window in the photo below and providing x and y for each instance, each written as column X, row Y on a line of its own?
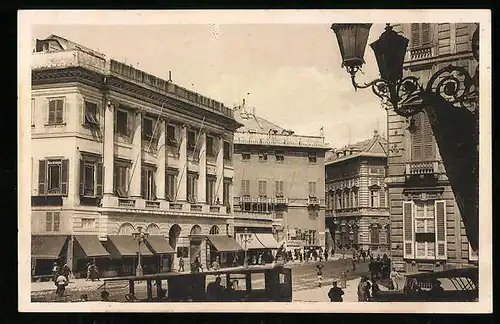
column 214, row 230
column 126, row 229
column 173, row 235
column 153, row 229
column 196, row 229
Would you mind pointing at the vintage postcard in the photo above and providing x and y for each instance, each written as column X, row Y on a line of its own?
column 255, row 161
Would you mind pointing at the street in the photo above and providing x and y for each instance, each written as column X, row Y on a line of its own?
column 304, row 279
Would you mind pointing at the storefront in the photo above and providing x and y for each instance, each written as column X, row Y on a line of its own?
column 45, row 250
column 124, row 251
column 88, row 248
column 225, row 248
column 163, row 253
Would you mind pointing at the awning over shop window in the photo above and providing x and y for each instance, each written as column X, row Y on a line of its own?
column 91, row 246
column 223, row 243
column 252, row 244
column 125, row 245
column 268, row 240
column 158, row 244
column 47, row 246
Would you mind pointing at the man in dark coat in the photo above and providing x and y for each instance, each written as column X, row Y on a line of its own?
column 335, row 294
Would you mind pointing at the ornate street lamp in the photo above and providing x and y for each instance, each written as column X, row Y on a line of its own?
column 456, row 130
column 140, row 237
column 246, row 238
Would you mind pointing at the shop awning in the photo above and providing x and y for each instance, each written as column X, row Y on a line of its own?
column 124, row 246
column 47, row 246
column 223, row 243
column 91, row 246
column 268, row 240
column 252, row 244
column 159, row 245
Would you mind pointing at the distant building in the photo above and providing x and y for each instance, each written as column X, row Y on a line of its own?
column 427, row 230
column 115, row 149
column 278, row 182
column 357, row 211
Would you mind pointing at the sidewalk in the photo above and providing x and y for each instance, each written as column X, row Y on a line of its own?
column 320, row 294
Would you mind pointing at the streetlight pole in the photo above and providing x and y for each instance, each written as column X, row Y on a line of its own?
column 246, row 238
column 139, row 236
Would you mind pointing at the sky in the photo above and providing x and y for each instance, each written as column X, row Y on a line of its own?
column 290, row 73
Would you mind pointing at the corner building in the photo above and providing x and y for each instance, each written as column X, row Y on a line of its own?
column 279, row 182
column 115, row 149
column 427, row 231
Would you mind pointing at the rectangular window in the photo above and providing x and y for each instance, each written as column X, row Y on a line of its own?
column 354, row 198
column 171, row 135
column 420, row 34
column 245, row 188
column 210, row 146
column 91, row 114
column 88, row 223
column 279, row 188
column 182, row 251
column 262, row 188
column 53, row 177
column 210, row 191
column 375, row 235
column 88, row 179
column 170, row 185
column 120, row 177
column 339, row 200
column 225, row 194
column 122, row 123
column 33, row 112
column 227, row 151
column 262, row 157
column 422, row 138
column 148, row 185
column 52, row 221
column 56, row 111
column 192, row 181
column 374, row 198
column 312, row 189
column 245, row 156
column 280, row 157
column 147, row 128
column 312, row 158
column 191, row 139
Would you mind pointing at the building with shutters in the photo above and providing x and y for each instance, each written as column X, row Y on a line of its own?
column 357, row 211
column 427, row 231
column 116, row 150
column 279, row 180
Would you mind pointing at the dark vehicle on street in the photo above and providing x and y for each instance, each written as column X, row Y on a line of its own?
column 456, row 285
column 267, row 283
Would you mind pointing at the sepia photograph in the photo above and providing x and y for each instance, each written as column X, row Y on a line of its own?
column 260, row 160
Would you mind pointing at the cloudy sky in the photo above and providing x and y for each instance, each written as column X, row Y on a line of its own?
column 290, row 73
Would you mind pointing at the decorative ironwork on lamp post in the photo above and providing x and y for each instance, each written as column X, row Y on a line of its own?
column 246, row 238
column 140, row 236
column 456, row 130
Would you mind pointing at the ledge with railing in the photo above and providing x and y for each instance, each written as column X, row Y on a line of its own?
column 280, row 140
column 103, row 65
column 419, row 53
column 421, row 168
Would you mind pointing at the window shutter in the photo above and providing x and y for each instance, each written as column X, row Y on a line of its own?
column 52, row 111
column 408, row 233
column 59, row 111
column 427, row 137
column 48, row 222
column 99, row 176
column 417, row 138
column 440, row 212
column 56, row 221
column 82, row 178
column 143, row 184
column 426, row 34
column 42, row 177
column 415, row 35
column 264, row 187
column 64, row 177
column 243, row 184
column 153, row 188
column 277, row 188
column 130, row 123
column 382, row 198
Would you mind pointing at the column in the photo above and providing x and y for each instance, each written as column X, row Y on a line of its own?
column 135, row 181
column 182, row 178
column 202, row 165
column 219, row 170
column 109, row 140
column 161, row 161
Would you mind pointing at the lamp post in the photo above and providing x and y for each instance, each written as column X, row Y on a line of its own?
column 456, row 130
column 246, row 238
column 351, row 240
column 139, row 236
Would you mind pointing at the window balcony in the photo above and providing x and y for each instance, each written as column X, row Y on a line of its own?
column 126, row 202
column 422, row 168
column 313, row 201
column 420, row 53
column 152, row 204
column 281, row 201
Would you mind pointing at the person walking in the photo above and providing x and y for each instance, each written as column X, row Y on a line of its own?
column 326, row 255
column 88, row 271
column 319, row 272
column 363, row 255
column 55, row 271
column 335, row 294
column 61, row 282
column 364, row 289
column 66, row 271
column 181, row 264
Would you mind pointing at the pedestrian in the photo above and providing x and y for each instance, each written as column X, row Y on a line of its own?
column 326, row 255
column 214, row 290
column 364, row 289
column 88, row 271
column 61, row 282
column 215, row 264
column 353, row 263
column 363, row 255
column 181, row 264
column 319, row 271
column 375, row 287
column 55, row 271
column 66, row 271
column 105, row 296
column 394, row 276
column 335, row 293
